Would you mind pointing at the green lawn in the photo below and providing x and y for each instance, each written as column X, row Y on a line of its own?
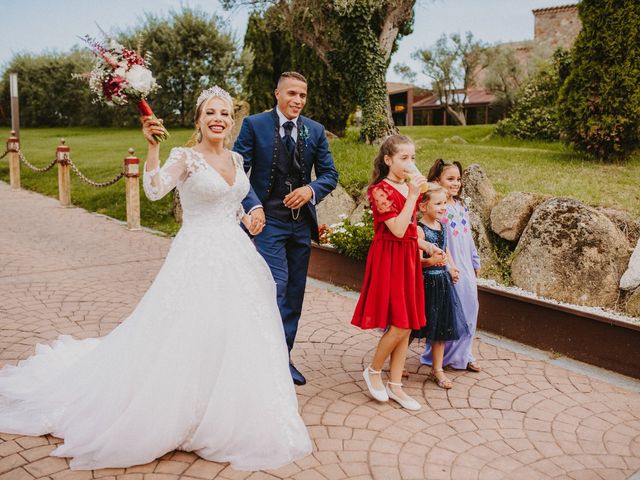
column 512, row 165
column 548, row 168
column 98, row 153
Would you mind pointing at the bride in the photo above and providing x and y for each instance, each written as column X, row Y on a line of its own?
column 201, row 364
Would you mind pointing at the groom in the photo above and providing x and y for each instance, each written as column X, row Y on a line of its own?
column 280, row 147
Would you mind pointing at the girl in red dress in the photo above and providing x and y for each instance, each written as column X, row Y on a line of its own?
column 392, row 296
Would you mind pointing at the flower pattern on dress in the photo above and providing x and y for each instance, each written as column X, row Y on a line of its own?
column 381, row 198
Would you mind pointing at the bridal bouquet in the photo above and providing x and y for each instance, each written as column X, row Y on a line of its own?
column 121, row 75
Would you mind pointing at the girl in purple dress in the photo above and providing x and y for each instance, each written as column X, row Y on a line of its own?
column 458, row 353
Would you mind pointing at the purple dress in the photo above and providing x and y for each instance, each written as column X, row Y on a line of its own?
column 457, row 353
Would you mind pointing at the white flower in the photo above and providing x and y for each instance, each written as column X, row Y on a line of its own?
column 359, row 224
column 140, row 78
column 342, row 216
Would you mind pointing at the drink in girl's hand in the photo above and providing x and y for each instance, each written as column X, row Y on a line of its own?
column 412, row 170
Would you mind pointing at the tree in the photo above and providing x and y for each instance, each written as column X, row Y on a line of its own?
column 600, row 99
column 353, row 37
column 191, row 51
column 452, row 64
column 535, row 113
column 504, row 75
column 274, row 51
column 49, row 96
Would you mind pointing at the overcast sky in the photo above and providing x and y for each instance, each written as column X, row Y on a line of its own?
column 40, row 25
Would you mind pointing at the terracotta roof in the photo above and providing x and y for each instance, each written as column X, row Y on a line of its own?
column 475, row 96
column 559, row 8
column 396, row 87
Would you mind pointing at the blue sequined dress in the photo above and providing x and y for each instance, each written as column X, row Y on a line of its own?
column 441, row 301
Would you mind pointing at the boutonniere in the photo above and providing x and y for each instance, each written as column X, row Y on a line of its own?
column 304, row 134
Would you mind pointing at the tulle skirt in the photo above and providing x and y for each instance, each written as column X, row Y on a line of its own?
column 445, row 321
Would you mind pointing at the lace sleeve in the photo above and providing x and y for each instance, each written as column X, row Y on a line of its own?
column 238, row 160
column 382, row 203
column 160, row 181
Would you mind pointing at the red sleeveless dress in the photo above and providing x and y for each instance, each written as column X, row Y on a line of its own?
column 393, row 290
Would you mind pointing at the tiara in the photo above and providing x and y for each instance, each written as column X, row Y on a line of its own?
column 214, row 91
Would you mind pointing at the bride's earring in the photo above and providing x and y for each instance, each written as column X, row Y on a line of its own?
column 199, row 136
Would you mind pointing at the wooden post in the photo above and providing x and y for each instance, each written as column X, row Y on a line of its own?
column 13, row 145
column 131, row 182
column 64, row 174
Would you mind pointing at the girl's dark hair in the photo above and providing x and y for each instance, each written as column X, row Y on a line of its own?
column 389, row 147
column 440, row 166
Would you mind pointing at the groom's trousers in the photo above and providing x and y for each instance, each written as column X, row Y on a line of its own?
column 286, row 246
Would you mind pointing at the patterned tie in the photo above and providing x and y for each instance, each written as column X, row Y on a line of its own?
column 289, row 144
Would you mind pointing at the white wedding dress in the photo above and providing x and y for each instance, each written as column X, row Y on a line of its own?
column 200, row 365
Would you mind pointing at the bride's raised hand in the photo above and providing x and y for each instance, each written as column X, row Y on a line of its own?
column 151, row 126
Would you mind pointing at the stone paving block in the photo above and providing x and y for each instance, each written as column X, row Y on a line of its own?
column 16, row 474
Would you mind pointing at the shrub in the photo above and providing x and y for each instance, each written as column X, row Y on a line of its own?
column 600, row 99
column 535, row 115
column 353, row 239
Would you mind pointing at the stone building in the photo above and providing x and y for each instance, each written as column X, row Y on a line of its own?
column 556, row 26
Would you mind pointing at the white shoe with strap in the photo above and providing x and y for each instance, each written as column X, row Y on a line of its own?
column 408, row 403
column 380, row 395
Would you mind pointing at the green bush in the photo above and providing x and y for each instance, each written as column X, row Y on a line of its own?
column 353, row 239
column 600, row 99
column 535, row 116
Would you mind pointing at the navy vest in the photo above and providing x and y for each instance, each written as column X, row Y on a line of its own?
column 286, row 179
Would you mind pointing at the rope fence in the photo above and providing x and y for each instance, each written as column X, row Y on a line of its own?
column 130, row 172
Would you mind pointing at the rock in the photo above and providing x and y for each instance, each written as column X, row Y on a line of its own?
column 632, row 306
column 478, row 187
column 511, row 215
column 425, row 141
column 631, row 277
column 330, row 135
column 337, row 203
column 625, row 222
column 456, row 139
column 489, row 267
column 361, row 205
column 572, row 253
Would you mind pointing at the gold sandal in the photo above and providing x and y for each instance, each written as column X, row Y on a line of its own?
column 473, row 367
column 446, row 383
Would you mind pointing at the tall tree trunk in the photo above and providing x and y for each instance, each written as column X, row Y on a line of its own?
column 457, row 115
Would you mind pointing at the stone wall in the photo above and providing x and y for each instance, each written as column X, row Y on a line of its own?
column 556, row 26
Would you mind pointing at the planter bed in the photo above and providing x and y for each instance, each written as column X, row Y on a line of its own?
column 593, row 338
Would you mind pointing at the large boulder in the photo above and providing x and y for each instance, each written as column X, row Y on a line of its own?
column 478, row 188
column 479, row 194
column 572, row 253
column 337, row 203
column 511, row 215
column 627, row 224
column 361, row 205
column 489, row 265
column 631, row 278
column 632, row 306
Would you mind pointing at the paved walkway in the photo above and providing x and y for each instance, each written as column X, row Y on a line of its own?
column 64, row 271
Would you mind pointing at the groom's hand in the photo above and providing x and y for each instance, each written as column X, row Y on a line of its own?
column 257, row 221
column 299, row 197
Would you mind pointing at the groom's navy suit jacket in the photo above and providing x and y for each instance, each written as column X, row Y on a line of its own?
column 256, row 145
